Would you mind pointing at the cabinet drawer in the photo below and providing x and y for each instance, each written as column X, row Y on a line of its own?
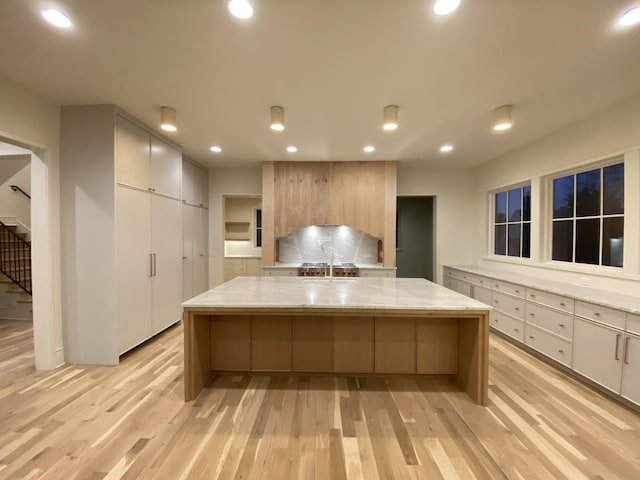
column 481, row 294
column 548, row 344
column 551, row 300
column 552, row 320
column 482, row 281
column 633, row 323
column 510, row 288
column 450, row 283
column 508, row 325
column 449, row 272
column 598, row 313
column 508, row 304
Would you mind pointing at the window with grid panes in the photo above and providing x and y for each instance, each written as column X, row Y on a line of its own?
column 588, row 216
column 512, row 222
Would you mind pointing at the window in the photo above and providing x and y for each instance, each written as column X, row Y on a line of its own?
column 258, row 224
column 588, row 216
column 512, row 222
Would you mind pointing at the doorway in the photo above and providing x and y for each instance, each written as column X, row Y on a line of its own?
column 415, row 237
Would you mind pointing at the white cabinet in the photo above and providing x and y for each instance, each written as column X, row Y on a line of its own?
column 135, row 267
column 601, row 343
column 195, row 221
column 597, row 353
column 242, row 267
column 121, row 222
column 194, row 184
column 280, row 271
column 630, row 388
column 145, row 162
column 377, row 272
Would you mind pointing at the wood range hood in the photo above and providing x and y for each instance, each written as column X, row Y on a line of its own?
column 361, row 195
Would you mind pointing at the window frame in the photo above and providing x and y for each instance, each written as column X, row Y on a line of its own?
column 549, row 221
column 492, row 222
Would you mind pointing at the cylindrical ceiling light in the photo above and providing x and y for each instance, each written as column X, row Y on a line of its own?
column 390, row 121
column 168, row 119
column 502, row 118
column 277, row 118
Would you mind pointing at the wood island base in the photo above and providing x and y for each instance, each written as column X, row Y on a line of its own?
column 338, row 342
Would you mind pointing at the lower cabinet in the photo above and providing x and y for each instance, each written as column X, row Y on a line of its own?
column 508, row 325
column 598, row 353
column 551, row 345
column 349, row 344
column 242, row 267
column 630, row 388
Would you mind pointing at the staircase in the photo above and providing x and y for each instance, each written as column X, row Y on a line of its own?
column 15, row 274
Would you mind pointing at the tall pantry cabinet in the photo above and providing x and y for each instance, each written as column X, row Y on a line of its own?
column 121, row 237
column 195, row 221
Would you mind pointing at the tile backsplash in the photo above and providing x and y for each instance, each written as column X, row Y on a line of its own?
column 315, row 243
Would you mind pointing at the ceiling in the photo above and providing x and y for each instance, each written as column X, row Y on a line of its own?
column 333, row 65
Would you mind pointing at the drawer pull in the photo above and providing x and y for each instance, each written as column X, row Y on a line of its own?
column 517, row 309
column 562, row 304
column 560, row 351
column 516, row 330
column 496, row 301
column 561, row 325
column 597, row 314
column 497, row 286
column 531, row 337
column 517, row 291
column 532, row 295
column 617, row 357
column 532, row 314
column 626, row 350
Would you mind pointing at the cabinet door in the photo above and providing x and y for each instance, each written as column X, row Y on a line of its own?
column 200, row 258
column 187, row 252
column 189, row 175
column 134, row 267
column 631, row 369
column 166, row 168
column 597, row 353
column 166, row 242
column 132, row 154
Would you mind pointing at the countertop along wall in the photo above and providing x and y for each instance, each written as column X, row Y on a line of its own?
column 611, row 132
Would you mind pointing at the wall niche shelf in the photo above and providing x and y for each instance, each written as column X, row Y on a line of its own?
column 237, row 231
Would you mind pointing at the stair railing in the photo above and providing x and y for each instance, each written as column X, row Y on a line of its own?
column 16, row 188
column 15, row 258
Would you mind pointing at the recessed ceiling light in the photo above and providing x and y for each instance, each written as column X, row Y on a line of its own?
column 241, row 9
column 292, row 149
column 445, row 7
column 369, row 149
column 630, row 17
column 216, row 149
column 56, row 17
column 446, row 148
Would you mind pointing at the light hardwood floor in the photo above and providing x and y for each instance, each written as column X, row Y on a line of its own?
column 131, row 422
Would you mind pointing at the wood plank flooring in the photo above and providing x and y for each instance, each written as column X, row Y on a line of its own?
column 130, row 422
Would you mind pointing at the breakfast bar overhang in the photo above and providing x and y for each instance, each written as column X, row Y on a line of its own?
column 337, row 326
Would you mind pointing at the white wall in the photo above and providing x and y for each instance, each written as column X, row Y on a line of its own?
column 454, row 192
column 611, row 132
column 33, row 122
column 226, row 181
column 15, row 204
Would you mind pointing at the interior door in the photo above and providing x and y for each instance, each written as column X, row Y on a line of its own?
column 166, row 242
column 134, row 267
column 415, row 237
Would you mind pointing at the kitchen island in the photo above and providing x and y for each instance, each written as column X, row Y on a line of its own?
column 338, row 326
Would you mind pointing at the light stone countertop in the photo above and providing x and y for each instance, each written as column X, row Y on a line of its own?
column 587, row 294
column 349, row 293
